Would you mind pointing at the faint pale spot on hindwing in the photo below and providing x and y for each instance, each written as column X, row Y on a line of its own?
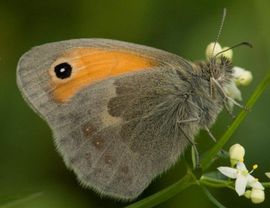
column 107, row 163
column 88, row 129
column 91, row 133
column 101, row 145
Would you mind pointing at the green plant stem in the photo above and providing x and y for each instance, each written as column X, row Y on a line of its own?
column 216, row 183
column 209, row 156
column 165, row 194
column 212, row 198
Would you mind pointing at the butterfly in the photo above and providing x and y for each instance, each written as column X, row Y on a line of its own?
column 121, row 113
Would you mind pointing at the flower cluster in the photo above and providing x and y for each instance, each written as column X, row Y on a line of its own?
column 245, row 183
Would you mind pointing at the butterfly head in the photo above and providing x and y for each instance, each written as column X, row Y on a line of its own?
column 222, row 75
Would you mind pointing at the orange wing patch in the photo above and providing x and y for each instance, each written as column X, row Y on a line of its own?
column 90, row 65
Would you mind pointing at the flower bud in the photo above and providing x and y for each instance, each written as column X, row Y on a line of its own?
column 247, row 194
column 209, row 50
column 237, row 153
column 257, row 196
column 267, row 174
column 242, row 76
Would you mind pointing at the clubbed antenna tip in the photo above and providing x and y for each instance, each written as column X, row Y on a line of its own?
column 247, row 44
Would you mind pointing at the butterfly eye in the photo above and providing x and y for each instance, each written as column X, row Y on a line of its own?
column 63, row 70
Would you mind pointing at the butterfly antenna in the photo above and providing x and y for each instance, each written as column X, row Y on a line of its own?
column 235, row 46
column 215, row 43
column 220, row 29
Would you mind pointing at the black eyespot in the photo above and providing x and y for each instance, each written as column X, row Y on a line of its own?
column 63, row 70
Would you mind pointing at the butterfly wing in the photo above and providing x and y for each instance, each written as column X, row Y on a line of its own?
column 115, row 120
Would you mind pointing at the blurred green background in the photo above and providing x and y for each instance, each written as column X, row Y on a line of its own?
column 29, row 163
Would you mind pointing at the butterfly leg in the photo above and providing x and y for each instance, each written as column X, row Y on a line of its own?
column 206, row 128
column 196, row 152
column 210, row 134
column 226, row 96
column 228, row 109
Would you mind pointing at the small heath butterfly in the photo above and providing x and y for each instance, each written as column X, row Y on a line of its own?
column 121, row 113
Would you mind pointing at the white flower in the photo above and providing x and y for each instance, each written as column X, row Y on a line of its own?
column 242, row 176
column 211, row 51
column 237, row 153
column 241, row 76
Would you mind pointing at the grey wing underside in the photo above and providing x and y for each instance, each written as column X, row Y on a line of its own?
column 127, row 133
column 119, row 134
